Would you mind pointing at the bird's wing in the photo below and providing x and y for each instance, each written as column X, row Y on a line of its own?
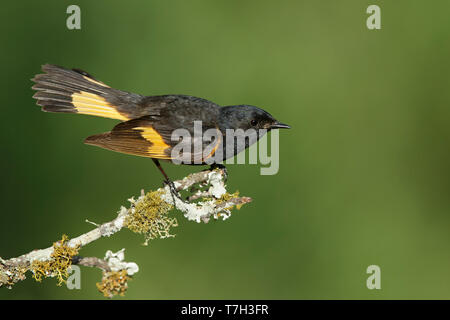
column 154, row 137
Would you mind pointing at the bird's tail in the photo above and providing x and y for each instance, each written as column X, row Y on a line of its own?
column 75, row 91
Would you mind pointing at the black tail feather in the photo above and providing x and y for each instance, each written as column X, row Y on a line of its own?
column 75, row 91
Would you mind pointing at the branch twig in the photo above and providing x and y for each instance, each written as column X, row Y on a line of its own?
column 216, row 203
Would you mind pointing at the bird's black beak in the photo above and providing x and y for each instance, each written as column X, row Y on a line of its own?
column 279, row 125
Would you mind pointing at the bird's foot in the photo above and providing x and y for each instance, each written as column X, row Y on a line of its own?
column 173, row 191
column 220, row 167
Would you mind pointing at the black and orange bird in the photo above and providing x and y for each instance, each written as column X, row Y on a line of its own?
column 147, row 122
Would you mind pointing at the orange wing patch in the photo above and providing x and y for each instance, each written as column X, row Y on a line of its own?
column 95, row 105
column 158, row 148
column 214, row 149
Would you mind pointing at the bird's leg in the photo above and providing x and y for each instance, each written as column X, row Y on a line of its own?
column 167, row 181
column 221, row 167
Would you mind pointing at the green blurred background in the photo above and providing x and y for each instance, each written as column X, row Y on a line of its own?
column 364, row 172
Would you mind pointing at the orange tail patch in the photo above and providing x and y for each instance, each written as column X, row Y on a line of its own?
column 92, row 104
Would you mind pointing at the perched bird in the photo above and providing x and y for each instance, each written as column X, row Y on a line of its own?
column 149, row 121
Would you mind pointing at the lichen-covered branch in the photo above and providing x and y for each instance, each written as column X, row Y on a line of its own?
column 206, row 196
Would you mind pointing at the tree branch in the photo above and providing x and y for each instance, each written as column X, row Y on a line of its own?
column 213, row 202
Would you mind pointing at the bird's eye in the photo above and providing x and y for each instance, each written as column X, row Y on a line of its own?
column 253, row 122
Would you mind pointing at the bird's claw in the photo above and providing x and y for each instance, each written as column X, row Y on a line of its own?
column 221, row 167
column 173, row 190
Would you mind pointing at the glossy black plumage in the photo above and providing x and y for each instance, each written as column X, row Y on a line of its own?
column 148, row 121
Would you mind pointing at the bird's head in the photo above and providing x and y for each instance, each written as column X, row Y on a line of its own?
column 248, row 117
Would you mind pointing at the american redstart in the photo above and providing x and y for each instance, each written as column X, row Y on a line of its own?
column 148, row 122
